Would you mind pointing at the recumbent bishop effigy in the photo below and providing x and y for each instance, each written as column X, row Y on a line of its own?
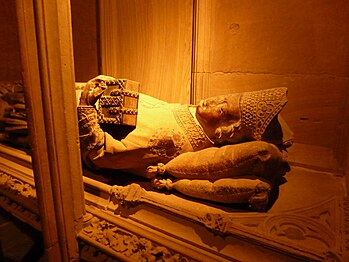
column 226, row 149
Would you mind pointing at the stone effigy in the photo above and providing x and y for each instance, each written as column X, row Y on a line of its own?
column 226, row 149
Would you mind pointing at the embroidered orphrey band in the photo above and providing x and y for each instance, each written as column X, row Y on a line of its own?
column 194, row 133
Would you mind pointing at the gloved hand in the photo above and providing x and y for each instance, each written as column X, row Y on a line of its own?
column 95, row 88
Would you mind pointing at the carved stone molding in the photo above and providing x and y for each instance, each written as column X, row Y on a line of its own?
column 345, row 219
column 318, row 232
column 20, row 212
column 123, row 244
column 19, row 191
column 216, row 222
column 91, row 253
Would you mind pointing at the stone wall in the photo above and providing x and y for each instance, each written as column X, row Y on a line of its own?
column 303, row 45
column 85, row 39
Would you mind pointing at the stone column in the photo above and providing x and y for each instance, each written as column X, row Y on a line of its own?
column 47, row 58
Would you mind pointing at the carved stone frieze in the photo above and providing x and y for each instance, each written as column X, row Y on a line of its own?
column 125, row 245
column 19, row 198
column 17, row 186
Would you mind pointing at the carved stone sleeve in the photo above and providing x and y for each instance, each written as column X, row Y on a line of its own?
column 90, row 134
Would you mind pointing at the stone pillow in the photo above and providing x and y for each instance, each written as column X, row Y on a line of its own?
column 256, row 158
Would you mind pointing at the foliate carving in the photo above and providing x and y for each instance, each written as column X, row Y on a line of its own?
column 90, row 253
column 126, row 244
column 317, row 232
column 22, row 191
column 17, row 186
column 217, row 222
column 20, row 212
column 130, row 193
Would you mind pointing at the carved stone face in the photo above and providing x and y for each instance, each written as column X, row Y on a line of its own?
column 219, row 111
column 236, row 118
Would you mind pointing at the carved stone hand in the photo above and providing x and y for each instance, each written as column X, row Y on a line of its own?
column 95, row 88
